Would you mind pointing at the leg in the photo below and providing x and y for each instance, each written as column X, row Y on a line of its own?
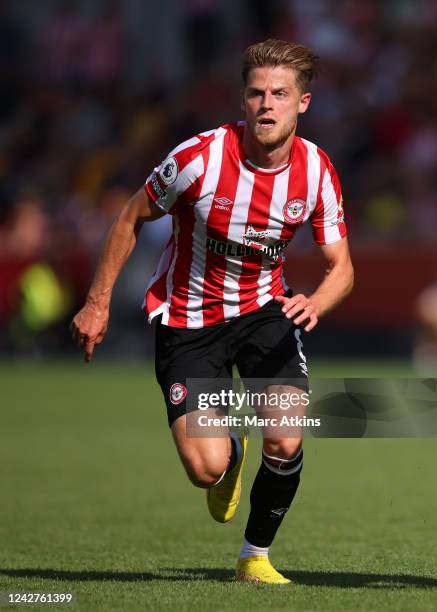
column 202, row 355
column 214, row 464
column 205, row 459
column 272, row 493
column 278, row 477
column 271, row 358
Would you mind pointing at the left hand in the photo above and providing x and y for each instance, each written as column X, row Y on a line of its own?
column 299, row 303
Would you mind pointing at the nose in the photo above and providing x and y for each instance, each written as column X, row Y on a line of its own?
column 267, row 101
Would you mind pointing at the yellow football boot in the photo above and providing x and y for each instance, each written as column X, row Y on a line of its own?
column 258, row 569
column 223, row 498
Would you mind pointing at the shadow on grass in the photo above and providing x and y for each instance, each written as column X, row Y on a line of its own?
column 322, row 579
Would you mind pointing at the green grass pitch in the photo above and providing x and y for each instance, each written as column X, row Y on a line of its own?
column 95, row 502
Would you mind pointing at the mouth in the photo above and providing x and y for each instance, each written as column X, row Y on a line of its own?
column 266, row 123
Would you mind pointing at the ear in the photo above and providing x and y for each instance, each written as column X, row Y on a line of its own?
column 304, row 102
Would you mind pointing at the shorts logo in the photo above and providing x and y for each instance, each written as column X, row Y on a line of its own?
column 294, row 210
column 169, row 171
column 178, row 393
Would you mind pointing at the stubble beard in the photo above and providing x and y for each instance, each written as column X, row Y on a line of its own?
column 273, row 140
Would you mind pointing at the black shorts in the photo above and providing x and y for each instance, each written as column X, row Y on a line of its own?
column 263, row 345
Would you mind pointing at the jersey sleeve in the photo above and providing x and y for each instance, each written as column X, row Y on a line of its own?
column 176, row 182
column 327, row 220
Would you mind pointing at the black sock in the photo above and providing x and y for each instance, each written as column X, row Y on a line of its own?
column 270, row 498
column 233, row 456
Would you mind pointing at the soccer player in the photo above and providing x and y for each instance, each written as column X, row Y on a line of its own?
column 237, row 195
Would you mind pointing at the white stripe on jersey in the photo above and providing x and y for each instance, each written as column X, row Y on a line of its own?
column 313, row 177
column 329, row 198
column 274, row 227
column 211, row 132
column 264, row 280
column 197, row 271
column 240, row 211
column 184, row 145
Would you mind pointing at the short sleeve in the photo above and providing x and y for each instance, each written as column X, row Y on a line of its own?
column 176, row 181
column 327, row 220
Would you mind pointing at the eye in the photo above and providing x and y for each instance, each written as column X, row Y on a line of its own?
column 281, row 94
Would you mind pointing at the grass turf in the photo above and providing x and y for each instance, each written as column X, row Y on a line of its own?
column 95, row 502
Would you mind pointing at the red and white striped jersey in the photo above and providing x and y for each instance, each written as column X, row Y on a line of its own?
column 231, row 222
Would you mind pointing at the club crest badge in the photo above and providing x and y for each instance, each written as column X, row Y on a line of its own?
column 294, row 210
column 169, row 171
column 178, row 393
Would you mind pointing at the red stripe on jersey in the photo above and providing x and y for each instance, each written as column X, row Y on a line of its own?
column 156, row 294
column 258, row 216
column 320, row 209
column 218, row 226
column 181, row 274
column 335, row 182
column 340, row 214
column 342, row 229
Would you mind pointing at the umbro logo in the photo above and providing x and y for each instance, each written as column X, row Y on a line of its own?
column 223, row 203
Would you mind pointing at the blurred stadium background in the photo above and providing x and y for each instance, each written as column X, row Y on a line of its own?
column 95, row 93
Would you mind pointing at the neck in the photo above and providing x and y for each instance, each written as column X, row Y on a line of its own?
column 265, row 156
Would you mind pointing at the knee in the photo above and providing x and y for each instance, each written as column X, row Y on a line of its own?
column 283, row 448
column 204, row 474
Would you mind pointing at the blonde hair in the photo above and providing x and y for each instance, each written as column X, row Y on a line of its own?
column 273, row 52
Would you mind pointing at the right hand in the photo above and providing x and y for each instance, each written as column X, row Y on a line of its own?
column 88, row 328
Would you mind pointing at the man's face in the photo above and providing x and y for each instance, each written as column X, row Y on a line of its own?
column 272, row 101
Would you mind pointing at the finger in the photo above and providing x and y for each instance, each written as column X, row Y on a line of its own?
column 313, row 322
column 101, row 335
column 89, row 349
column 306, row 314
column 297, row 299
column 297, row 309
column 83, row 339
column 281, row 298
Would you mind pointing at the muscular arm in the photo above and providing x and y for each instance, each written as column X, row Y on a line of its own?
column 336, row 285
column 89, row 326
